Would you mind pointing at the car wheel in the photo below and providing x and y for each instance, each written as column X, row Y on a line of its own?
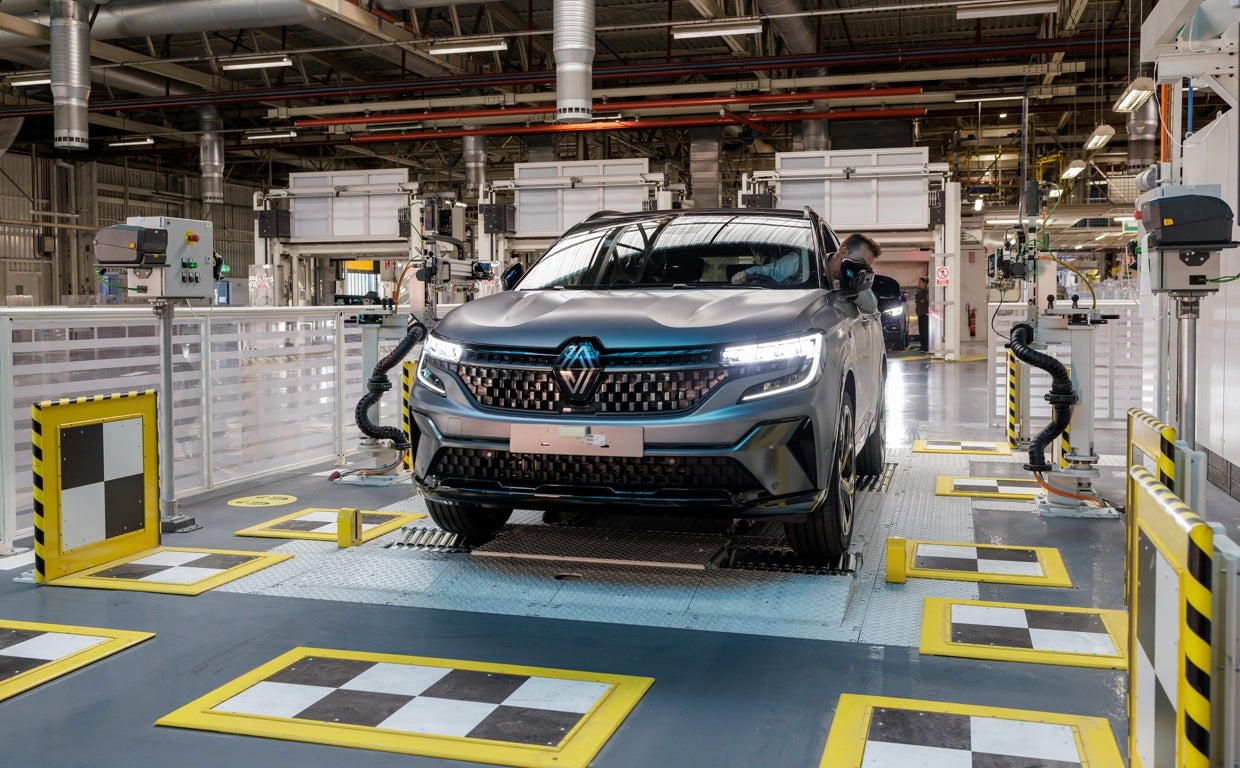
column 902, row 344
column 473, row 521
column 826, row 533
column 873, row 457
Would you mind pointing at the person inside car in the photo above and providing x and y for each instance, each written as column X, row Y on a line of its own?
column 857, row 247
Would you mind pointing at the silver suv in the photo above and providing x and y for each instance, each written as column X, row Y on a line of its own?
column 631, row 368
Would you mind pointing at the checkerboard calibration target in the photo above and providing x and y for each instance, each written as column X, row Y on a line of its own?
column 1157, row 655
column 102, row 485
column 899, row 737
column 32, row 653
column 1015, row 561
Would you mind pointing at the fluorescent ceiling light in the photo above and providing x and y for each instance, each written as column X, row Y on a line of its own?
column 30, row 78
column 265, row 135
column 1136, row 94
column 1101, row 135
column 468, row 45
column 1003, row 221
column 977, row 204
column 992, row 10
column 1073, row 170
column 393, row 127
column 746, row 26
column 135, row 142
column 255, row 62
column 966, row 99
column 1103, row 235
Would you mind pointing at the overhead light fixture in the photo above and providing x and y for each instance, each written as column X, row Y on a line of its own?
column 134, row 142
column 746, row 26
column 1003, row 115
column 1073, row 170
column 468, row 45
column 970, row 99
column 26, row 79
column 977, row 204
column 268, row 135
column 995, row 9
column 1102, row 236
column 1136, row 94
column 393, row 127
column 1101, row 135
column 255, row 62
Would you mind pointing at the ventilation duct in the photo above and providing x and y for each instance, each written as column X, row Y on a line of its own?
column 211, row 154
column 1143, row 135
column 798, row 36
column 704, row 167
column 573, row 45
column 475, row 157
column 70, row 73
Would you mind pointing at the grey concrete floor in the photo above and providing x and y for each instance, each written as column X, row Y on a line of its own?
column 720, row 698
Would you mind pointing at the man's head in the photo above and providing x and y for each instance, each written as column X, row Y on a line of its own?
column 922, row 282
column 856, row 247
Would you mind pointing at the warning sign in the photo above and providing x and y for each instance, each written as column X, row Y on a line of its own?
column 942, row 276
column 263, row 500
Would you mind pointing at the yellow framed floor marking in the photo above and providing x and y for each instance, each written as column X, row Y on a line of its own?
column 938, row 637
column 975, row 447
column 987, row 487
column 992, row 563
column 262, row 500
column 253, row 562
column 110, row 641
column 849, row 740
column 576, row 749
column 320, row 515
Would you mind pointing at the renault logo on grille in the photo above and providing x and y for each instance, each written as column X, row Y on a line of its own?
column 578, row 370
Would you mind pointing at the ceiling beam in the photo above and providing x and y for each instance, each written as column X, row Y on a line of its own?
column 360, row 18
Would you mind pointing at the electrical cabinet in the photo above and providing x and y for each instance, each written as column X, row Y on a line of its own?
column 186, row 273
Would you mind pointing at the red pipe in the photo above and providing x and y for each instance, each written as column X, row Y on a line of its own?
column 619, row 106
column 629, row 125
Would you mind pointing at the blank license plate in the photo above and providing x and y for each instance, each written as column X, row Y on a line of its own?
column 576, row 440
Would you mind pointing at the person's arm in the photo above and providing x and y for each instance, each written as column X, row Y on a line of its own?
column 779, row 270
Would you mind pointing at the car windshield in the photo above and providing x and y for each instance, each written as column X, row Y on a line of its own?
column 670, row 251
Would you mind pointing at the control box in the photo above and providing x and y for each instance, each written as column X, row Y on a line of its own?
column 1184, row 229
column 186, row 272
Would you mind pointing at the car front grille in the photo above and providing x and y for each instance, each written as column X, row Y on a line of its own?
column 460, row 466
column 631, row 383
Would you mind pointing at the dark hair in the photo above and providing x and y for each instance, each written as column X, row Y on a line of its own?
column 853, row 242
column 923, row 280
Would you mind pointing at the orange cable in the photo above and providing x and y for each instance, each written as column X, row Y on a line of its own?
column 1058, row 492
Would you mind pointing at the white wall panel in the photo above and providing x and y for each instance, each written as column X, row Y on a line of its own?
column 859, row 203
column 550, row 212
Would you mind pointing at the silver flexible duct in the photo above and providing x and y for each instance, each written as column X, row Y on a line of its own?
column 1143, row 135
column 211, row 153
column 798, row 36
column 474, row 155
column 71, row 73
column 573, row 45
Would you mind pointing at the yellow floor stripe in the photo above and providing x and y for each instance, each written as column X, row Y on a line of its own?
column 576, row 749
column 847, row 742
column 1043, row 566
column 999, row 449
column 111, row 641
column 950, row 486
column 88, row 578
column 393, row 521
column 939, row 639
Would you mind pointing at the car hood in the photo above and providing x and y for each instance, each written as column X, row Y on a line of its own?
column 545, row 319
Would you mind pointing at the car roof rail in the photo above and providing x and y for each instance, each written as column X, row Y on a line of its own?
column 602, row 215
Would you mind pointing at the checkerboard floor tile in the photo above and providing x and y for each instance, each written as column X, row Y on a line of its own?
column 1002, row 487
column 997, row 560
column 321, row 524
column 414, row 705
column 175, row 567
column 928, row 734
column 32, row 653
column 172, row 569
column 962, row 446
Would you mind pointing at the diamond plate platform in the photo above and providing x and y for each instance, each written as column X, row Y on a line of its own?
column 601, row 546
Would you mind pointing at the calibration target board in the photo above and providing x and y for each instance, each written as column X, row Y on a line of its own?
column 444, row 708
column 33, row 653
column 173, row 570
column 967, row 447
column 993, row 563
column 987, row 487
column 322, row 524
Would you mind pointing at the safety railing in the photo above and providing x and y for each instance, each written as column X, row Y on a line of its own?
column 1182, row 586
column 256, row 391
column 1119, row 379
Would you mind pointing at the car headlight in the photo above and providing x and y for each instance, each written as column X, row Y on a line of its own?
column 797, row 360
column 894, row 311
column 436, row 349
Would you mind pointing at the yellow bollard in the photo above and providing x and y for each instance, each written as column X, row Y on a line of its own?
column 897, row 546
column 348, row 527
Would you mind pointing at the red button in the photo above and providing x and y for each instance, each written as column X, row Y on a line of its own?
column 191, row 237
column 1136, row 215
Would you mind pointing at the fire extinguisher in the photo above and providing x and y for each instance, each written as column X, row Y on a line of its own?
column 972, row 319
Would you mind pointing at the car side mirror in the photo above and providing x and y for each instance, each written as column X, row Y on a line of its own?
column 511, row 275
column 855, row 276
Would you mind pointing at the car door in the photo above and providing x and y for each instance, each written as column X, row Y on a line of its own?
column 865, row 335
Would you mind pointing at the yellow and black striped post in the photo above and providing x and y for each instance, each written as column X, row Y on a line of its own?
column 1013, row 395
column 36, row 452
column 1156, row 441
column 1065, row 446
column 406, row 420
column 1187, row 544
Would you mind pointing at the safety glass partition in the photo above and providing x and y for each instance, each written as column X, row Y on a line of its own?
column 274, row 390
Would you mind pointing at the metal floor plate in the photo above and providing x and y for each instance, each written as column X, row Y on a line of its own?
column 602, row 546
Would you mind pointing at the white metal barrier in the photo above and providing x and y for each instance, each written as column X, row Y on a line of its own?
column 256, row 390
column 1120, row 382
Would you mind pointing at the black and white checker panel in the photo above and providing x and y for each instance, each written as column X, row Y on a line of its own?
column 906, row 737
column 1009, row 561
column 422, row 700
column 325, row 521
column 175, row 567
column 1013, row 486
column 23, row 650
column 1156, row 657
column 1035, row 629
column 962, row 446
column 101, row 482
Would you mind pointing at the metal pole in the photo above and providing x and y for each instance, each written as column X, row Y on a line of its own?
column 1188, row 310
column 170, row 520
column 8, row 462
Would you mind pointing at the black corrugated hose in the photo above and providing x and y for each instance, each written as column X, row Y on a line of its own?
column 379, row 383
column 1061, row 397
